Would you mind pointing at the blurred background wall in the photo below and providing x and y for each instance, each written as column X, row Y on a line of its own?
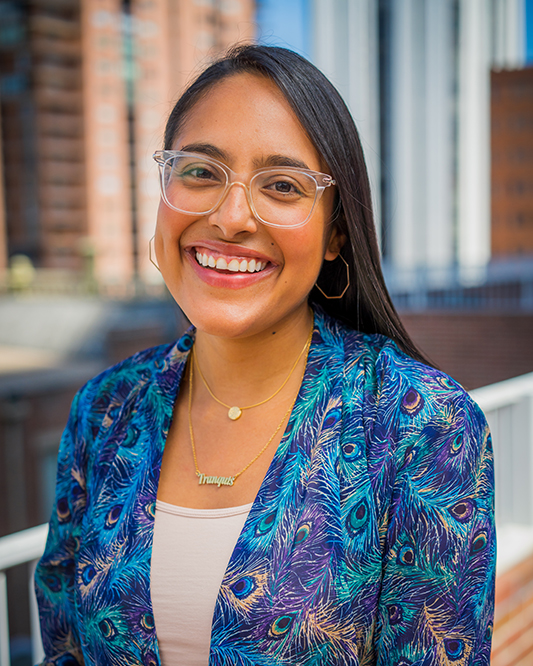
column 441, row 91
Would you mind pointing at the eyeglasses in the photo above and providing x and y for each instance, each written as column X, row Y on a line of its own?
column 278, row 196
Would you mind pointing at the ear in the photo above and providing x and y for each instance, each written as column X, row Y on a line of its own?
column 334, row 245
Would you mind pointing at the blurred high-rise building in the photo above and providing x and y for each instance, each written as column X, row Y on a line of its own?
column 416, row 75
column 85, row 88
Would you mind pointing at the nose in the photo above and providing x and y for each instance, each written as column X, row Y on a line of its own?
column 234, row 215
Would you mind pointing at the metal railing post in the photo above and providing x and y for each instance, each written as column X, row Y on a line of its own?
column 5, row 659
column 37, row 651
column 18, row 548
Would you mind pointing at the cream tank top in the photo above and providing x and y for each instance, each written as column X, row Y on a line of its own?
column 190, row 553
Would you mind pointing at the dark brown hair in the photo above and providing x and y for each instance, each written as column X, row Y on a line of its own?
column 366, row 305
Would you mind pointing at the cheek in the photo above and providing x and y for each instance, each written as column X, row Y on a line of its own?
column 168, row 222
column 306, row 253
column 170, row 227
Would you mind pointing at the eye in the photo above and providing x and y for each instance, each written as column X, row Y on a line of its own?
column 290, row 186
column 198, row 172
column 191, row 173
column 281, row 187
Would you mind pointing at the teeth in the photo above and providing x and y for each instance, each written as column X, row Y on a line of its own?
column 222, row 264
column 234, row 265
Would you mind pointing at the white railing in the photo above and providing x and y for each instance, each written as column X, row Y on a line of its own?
column 19, row 548
column 508, row 406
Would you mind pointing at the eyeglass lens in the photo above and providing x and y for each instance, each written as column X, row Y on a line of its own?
column 280, row 196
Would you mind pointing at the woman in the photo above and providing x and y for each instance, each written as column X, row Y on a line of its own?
column 323, row 496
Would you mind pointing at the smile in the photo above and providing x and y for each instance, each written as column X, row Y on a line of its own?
column 231, row 264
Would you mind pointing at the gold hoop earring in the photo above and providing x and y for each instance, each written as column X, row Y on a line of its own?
column 150, row 242
column 331, row 298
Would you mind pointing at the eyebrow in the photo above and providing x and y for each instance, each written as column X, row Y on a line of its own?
column 216, row 153
column 283, row 160
column 205, row 149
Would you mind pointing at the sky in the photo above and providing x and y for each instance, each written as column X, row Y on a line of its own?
column 529, row 31
column 293, row 31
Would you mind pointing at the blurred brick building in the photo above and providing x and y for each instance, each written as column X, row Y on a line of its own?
column 85, row 88
column 512, row 162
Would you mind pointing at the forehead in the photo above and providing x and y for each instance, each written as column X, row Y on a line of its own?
column 246, row 115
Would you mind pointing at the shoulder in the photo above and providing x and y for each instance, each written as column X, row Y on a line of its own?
column 157, row 367
column 404, row 394
column 421, row 394
column 426, row 440
column 434, row 432
column 129, row 372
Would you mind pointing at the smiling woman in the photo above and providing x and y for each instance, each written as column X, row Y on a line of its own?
column 290, row 482
column 231, row 196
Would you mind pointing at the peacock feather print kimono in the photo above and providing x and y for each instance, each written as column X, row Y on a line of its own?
column 370, row 541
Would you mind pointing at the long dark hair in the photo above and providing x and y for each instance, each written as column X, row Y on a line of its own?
column 366, row 305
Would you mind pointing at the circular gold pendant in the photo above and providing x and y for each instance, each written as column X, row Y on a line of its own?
column 234, row 413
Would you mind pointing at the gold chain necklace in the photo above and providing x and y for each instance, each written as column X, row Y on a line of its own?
column 204, row 479
column 235, row 412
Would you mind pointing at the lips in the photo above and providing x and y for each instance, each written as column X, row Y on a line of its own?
column 228, row 265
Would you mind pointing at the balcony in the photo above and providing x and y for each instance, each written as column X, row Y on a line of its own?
column 509, row 409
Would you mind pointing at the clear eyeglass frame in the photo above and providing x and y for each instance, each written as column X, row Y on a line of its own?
column 322, row 181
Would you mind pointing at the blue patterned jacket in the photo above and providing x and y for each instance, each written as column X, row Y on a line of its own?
column 371, row 540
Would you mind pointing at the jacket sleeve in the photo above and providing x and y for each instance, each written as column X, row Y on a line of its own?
column 439, row 551
column 55, row 572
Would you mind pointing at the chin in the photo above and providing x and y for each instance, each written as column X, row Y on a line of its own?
column 225, row 320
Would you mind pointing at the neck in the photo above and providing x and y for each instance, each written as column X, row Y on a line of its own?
column 245, row 369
